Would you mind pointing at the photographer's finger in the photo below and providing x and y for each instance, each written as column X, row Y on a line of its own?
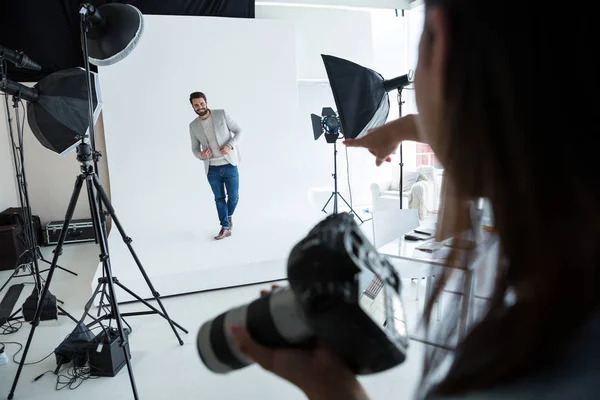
column 355, row 142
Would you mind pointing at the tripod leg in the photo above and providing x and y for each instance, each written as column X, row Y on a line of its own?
column 128, row 241
column 58, row 266
column 66, row 314
column 326, row 204
column 38, row 311
column 66, row 270
column 101, row 303
column 119, row 284
column 86, row 309
column 105, row 258
column 350, row 207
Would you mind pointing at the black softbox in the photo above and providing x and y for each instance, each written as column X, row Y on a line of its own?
column 360, row 96
column 60, row 114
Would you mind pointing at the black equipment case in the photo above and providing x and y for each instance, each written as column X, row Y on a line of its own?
column 80, row 230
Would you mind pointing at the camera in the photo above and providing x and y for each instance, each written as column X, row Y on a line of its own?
column 341, row 291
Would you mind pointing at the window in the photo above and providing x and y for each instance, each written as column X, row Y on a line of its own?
column 425, row 156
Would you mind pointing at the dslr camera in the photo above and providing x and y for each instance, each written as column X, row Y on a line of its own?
column 341, row 291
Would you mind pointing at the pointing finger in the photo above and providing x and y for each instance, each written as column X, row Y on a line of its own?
column 353, row 142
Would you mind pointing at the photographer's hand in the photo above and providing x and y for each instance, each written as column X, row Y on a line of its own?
column 318, row 372
column 382, row 142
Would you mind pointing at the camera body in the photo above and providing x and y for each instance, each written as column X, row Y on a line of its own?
column 341, row 291
column 350, row 295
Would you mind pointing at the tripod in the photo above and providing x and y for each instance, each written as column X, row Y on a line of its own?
column 335, row 194
column 85, row 156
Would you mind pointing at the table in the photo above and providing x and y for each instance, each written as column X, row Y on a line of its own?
column 410, row 262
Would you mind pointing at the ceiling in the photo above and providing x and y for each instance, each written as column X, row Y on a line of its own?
column 390, row 4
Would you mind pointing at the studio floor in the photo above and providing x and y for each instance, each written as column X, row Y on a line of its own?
column 162, row 368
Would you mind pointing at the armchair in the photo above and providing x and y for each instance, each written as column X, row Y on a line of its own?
column 420, row 191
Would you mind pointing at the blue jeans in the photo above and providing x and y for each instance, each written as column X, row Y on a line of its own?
column 222, row 178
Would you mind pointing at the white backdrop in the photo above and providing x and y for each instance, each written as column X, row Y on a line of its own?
column 159, row 189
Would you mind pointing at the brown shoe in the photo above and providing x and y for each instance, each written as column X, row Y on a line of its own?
column 230, row 223
column 224, row 233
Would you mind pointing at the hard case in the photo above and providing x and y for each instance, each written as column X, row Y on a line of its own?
column 80, row 230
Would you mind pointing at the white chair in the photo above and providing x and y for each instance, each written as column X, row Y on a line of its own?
column 392, row 224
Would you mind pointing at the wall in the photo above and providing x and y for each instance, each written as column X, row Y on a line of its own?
column 344, row 33
column 340, row 32
column 50, row 177
column 380, row 39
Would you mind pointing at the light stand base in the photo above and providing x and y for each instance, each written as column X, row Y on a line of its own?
column 96, row 196
column 335, row 194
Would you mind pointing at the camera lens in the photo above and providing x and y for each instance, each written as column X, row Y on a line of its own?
column 274, row 320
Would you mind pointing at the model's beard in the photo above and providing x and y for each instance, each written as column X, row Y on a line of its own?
column 202, row 113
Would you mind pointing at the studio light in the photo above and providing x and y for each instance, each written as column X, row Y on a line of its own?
column 114, row 30
column 361, row 98
column 328, row 123
column 57, row 107
column 19, row 58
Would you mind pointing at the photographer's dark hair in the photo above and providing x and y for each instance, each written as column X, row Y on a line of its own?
column 502, row 79
column 197, row 95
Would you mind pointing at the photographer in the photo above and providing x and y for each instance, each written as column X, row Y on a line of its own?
column 492, row 96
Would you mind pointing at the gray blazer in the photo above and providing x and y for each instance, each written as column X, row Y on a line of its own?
column 227, row 132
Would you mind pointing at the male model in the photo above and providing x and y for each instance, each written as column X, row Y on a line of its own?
column 215, row 137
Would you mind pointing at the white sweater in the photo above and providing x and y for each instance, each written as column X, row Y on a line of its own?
column 209, row 129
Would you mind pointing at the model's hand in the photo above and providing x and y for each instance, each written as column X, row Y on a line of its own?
column 225, row 149
column 382, row 142
column 206, row 153
column 318, row 372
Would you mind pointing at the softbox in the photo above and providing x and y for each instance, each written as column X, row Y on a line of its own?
column 360, row 96
column 59, row 116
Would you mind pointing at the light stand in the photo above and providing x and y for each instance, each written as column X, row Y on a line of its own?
column 97, row 197
column 400, row 188
column 32, row 253
column 329, row 125
column 335, row 194
column 33, row 250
